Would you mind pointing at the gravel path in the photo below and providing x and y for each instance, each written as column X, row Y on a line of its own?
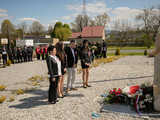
column 78, row 105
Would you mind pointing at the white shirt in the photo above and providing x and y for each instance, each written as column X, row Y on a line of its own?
column 58, row 63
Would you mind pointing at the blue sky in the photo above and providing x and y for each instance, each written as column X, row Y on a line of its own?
column 49, row 11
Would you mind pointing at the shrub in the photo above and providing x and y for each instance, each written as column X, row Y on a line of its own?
column 2, row 99
column 117, row 51
column 145, row 53
column 2, row 87
column 11, row 99
column 9, row 62
column 19, row 92
column 35, row 83
column 36, row 78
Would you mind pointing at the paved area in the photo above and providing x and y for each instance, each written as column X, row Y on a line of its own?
column 78, row 105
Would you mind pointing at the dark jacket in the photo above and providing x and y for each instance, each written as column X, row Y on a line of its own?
column 52, row 67
column 84, row 56
column 70, row 57
column 4, row 54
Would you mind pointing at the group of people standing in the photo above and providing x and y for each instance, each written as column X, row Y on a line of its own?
column 42, row 52
column 17, row 54
column 62, row 60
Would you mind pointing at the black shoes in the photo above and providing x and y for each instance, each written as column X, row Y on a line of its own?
column 54, row 102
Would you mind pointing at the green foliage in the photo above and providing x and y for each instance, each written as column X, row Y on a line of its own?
column 7, row 28
column 145, row 52
column 148, row 42
column 117, row 51
column 9, row 62
column 62, row 32
column 19, row 33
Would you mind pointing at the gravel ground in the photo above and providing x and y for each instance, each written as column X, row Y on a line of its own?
column 78, row 105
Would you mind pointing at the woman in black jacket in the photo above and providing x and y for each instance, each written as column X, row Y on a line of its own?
column 85, row 57
column 62, row 56
column 54, row 70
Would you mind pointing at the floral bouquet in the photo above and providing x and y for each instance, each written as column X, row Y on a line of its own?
column 115, row 96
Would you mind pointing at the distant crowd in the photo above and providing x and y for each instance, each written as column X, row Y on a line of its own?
column 25, row 54
column 21, row 54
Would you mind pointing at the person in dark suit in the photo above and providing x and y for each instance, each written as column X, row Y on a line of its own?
column 29, row 53
column 62, row 56
column 85, row 57
column 10, row 55
column 54, row 70
column 72, row 59
column 104, row 49
column 4, row 56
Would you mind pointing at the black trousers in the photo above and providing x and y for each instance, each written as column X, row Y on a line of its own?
column 104, row 54
column 4, row 61
column 38, row 56
column 52, row 93
column 43, row 56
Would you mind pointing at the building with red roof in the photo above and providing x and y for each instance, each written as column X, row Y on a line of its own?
column 91, row 33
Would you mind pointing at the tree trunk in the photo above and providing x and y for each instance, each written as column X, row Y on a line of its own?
column 156, row 86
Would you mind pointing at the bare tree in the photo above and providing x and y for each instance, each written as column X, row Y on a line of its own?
column 122, row 27
column 23, row 27
column 151, row 21
column 50, row 29
column 37, row 29
column 102, row 20
column 80, row 22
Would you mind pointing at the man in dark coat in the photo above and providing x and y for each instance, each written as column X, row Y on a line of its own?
column 104, row 49
column 72, row 59
column 4, row 56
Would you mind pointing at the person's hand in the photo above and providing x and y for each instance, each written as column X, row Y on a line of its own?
column 151, row 54
column 75, row 65
column 87, row 64
column 53, row 79
column 65, row 70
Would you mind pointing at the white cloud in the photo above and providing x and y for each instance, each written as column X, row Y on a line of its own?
column 66, row 18
column 3, row 15
column 3, row 10
column 28, row 19
column 97, row 7
column 125, row 13
column 93, row 8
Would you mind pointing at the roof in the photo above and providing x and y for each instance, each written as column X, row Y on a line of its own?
column 95, row 31
column 76, row 35
column 89, row 32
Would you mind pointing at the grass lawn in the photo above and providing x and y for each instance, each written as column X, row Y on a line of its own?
column 127, row 54
column 129, row 48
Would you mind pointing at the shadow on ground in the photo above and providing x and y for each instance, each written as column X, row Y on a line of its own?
column 118, row 79
column 39, row 98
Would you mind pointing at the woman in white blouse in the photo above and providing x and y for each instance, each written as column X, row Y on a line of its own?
column 54, row 71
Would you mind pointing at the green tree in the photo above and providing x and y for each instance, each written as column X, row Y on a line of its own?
column 56, row 26
column 60, row 31
column 7, row 29
column 148, row 41
column 19, row 33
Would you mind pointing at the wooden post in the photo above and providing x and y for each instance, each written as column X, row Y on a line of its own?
column 156, row 83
